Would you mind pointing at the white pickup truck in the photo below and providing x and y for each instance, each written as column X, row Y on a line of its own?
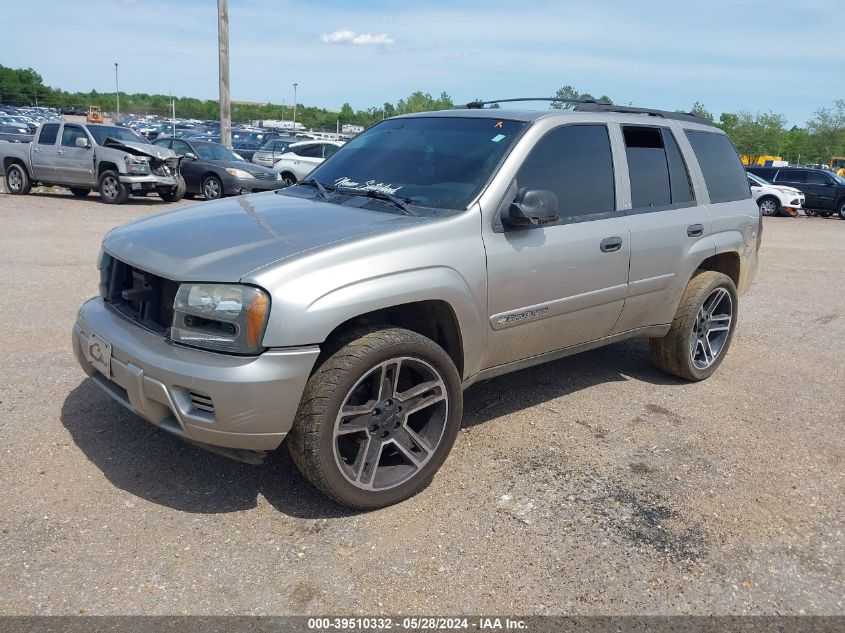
column 114, row 160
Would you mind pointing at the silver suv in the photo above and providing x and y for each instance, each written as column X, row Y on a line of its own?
column 347, row 313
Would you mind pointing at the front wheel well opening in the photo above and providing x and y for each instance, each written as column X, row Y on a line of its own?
column 433, row 319
column 9, row 161
column 725, row 263
column 103, row 167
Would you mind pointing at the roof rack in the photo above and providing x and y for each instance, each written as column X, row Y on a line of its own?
column 665, row 114
column 476, row 105
column 592, row 105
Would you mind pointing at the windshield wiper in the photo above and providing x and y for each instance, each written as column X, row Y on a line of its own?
column 399, row 203
column 320, row 187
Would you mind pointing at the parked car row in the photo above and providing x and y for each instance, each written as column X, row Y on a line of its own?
column 27, row 119
column 821, row 191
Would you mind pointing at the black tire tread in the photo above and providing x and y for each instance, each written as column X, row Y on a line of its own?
column 27, row 181
column 304, row 435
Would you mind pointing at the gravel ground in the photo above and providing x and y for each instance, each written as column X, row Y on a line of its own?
column 592, row 485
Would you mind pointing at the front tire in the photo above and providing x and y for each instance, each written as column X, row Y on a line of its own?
column 702, row 329
column 112, row 191
column 378, row 418
column 175, row 194
column 769, row 206
column 842, row 209
column 288, row 178
column 212, row 188
column 17, row 180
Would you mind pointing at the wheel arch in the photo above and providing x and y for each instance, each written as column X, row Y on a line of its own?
column 106, row 166
column 434, row 319
column 727, row 263
column 8, row 161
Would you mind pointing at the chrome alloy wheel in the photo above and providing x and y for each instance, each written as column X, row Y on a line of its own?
column 768, row 207
column 211, row 189
column 712, row 328
column 390, row 423
column 110, row 187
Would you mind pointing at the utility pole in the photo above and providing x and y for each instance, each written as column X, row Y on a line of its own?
column 116, row 89
column 294, row 106
column 173, row 115
column 223, row 49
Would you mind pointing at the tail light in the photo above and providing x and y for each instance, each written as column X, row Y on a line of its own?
column 760, row 231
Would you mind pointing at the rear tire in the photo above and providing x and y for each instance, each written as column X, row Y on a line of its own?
column 17, row 180
column 702, row 329
column 80, row 192
column 378, row 418
column 842, row 209
column 112, row 191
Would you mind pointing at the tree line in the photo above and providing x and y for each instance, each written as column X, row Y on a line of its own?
column 754, row 134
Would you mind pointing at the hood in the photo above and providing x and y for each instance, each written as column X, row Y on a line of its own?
column 225, row 239
column 139, row 149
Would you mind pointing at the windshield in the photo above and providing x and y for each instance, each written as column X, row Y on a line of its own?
column 212, row 151
column 429, row 161
column 758, row 180
column 102, row 132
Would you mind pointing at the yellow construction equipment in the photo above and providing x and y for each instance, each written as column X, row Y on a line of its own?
column 95, row 115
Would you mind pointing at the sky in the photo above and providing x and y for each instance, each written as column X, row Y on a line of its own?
column 730, row 55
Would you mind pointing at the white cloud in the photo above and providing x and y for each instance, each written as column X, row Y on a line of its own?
column 345, row 36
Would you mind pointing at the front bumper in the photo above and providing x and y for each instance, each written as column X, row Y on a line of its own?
column 253, row 399
column 236, row 186
column 148, row 183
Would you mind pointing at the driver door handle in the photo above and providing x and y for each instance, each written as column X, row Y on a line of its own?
column 610, row 244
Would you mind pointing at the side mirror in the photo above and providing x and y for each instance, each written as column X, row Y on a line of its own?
column 191, row 156
column 532, row 207
column 82, row 143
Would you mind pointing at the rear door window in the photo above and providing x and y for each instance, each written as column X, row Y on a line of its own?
column 329, row 150
column 723, row 172
column 310, row 151
column 49, row 134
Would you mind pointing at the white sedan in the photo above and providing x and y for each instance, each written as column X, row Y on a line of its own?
column 302, row 158
column 775, row 199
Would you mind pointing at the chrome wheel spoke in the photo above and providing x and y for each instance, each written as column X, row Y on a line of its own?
column 422, row 396
column 411, row 446
column 720, row 322
column 714, row 300
column 388, row 380
column 369, row 458
column 354, row 419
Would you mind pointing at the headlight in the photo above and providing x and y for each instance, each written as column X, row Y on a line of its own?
column 238, row 173
column 222, row 317
column 137, row 164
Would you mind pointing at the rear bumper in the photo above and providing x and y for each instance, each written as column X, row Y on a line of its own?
column 253, row 399
column 747, row 272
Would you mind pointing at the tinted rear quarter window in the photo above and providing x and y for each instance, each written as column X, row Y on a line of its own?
column 791, row 175
column 723, row 172
column 49, row 133
column 817, row 178
column 575, row 162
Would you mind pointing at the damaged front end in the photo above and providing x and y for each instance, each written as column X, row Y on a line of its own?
column 148, row 167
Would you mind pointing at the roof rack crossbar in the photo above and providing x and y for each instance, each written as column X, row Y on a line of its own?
column 475, row 105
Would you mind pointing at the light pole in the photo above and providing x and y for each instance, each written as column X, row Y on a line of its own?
column 294, row 106
column 116, row 89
